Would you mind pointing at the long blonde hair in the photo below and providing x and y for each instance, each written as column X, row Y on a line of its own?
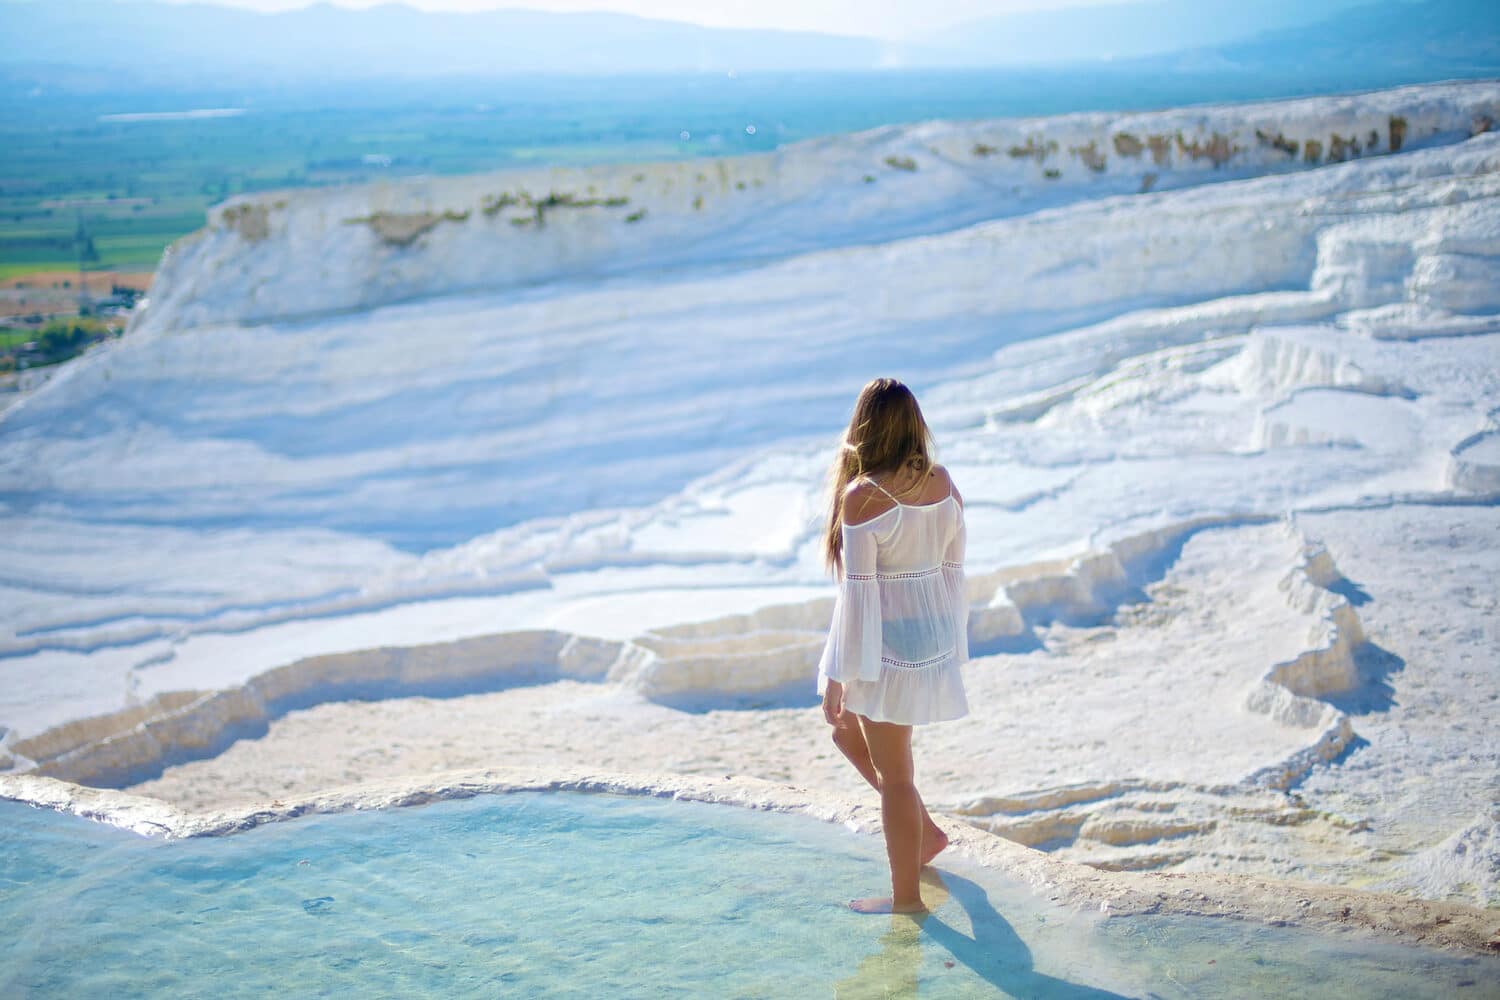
column 886, row 434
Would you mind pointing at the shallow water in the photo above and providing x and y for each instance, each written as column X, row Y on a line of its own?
column 533, row 894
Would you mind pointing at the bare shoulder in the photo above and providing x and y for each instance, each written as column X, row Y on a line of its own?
column 940, row 473
column 863, row 501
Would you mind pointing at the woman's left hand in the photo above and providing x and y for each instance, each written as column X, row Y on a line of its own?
column 833, row 702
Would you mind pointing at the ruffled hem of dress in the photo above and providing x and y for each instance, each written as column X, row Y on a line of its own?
column 910, row 697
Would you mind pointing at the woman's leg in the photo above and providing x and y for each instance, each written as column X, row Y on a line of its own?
column 850, row 740
column 851, row 743
column 900, row 815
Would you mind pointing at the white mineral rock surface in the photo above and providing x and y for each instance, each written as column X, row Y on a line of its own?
column 451, row 473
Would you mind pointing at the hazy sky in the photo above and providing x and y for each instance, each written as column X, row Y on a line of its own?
column 881, row 18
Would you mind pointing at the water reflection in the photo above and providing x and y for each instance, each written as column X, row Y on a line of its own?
column 995, row 952
column 892, row 972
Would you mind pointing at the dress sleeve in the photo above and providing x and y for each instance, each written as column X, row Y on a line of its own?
column 853, row 649
column 953, row 579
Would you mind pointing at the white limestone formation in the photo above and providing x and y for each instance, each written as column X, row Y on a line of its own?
column 305, row 253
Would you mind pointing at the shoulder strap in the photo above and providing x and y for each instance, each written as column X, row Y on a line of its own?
column 882, row 489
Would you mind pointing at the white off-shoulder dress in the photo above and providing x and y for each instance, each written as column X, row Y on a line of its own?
column 900, row 624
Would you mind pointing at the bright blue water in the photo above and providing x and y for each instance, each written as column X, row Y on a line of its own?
column 600, row 896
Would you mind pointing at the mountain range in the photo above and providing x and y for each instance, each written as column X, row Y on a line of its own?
column 140, row 41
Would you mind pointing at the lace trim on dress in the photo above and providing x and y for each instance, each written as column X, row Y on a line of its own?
column 910, row 575
column 918, row 664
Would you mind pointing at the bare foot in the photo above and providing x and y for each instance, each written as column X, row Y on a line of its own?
column 933, row 843
column 884, row 904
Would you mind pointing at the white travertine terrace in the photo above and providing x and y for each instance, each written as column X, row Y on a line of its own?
column 1475, row 463
column 769, row 650
column 1228, row 450
column 287, row 254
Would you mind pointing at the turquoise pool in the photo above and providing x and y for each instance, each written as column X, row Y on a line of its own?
column 570, row 894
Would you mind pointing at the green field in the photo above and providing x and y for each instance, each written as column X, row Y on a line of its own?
column 12, row 339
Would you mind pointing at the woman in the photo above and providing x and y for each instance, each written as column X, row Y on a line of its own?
column 895, row 541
